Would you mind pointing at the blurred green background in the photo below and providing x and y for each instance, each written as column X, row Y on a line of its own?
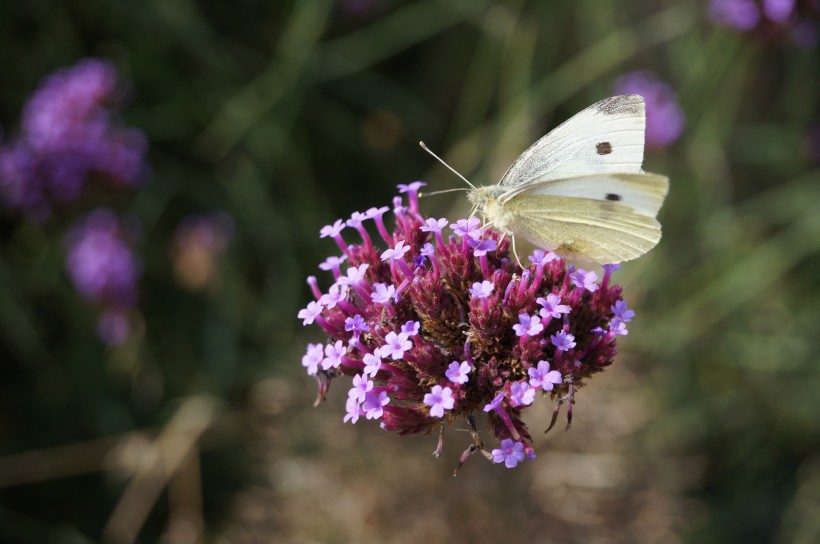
column 290, row 114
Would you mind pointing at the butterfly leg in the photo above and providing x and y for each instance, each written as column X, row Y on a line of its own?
column 515, row 252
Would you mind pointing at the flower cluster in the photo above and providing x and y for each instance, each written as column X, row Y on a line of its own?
column 105, row 270
column 68, row 134
column 665, row 119
column 794, row 20
column 442, row 324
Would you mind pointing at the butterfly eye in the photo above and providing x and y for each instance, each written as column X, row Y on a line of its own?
column 613, row 197
column 603, row 148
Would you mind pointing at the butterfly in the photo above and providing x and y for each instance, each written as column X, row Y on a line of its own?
column 580, row 190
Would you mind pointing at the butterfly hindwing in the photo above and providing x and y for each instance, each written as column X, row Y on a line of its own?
column 589, row 229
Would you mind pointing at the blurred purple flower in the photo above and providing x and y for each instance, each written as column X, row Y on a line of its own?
column 105, row 270
column 665, row 119
column 100, row 262
column 740, row 14
column 69, row 133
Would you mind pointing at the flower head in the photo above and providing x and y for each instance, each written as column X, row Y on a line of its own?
column 482, row 289
column 433, row 225
column 467, row 330
column 582, row 278
column 541, row 377
column 383, row 293
column 528, row 325
column 70, row 134
column 563, row 341
column 439, row 399
column 510, row 453
column 457, row 372
column 307, row 315
column 467, row 227
column 552, row 307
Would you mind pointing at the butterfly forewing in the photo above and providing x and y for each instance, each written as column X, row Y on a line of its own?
column 607, row 137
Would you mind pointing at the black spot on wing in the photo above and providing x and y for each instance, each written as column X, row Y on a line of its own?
column 603, row 148
column 613, row 197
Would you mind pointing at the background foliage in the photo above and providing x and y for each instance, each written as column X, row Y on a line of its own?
column 287, row 115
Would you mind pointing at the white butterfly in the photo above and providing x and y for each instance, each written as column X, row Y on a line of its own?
column 580, row 190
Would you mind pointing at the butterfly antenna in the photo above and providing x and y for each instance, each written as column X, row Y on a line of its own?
column 439, row 159
column 421, row 194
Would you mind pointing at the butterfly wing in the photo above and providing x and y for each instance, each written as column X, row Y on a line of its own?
column 576, row 222
column 607, row 137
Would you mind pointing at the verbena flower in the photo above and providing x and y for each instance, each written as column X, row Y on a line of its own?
column 69, row 134
column 430, row 332
column 794, row 21
column 665, row 119
column 105, row 270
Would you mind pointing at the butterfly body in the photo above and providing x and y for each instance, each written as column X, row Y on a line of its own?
column 580, row 190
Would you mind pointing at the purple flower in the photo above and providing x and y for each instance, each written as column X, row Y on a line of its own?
column 510, row 453
column 541, row 377
column 622, row 311
column 552, row 307
column 618, row 327
column 457, row 372
column 372, row 363
column 333, row 230
column 563, row 341
column 101, row 264
column 411, row 328
column 372, row 213
column 307, row 315
column 740, row 14
column 374, row 404
column 332, row 262
column 356, row 324
column 383, row 293
column 521, row 394
column 529, row 325
column 664, row 117
column 482, row 290
column 69, row 133
column 481, row 247
column 495, row 404
column 353, row 409
column 410, row 187
column 355, row 274
column 333, row 355
column 395, row 345
column 396, row 253
column 778, row 10
column 434, row 225
column 439, row 399
column 427, row 250
column 356, row 219
column 334, row 296
column 582, row 278
column 540, row 257
column 361, row 387
column 467, row 227
column 313, row 358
